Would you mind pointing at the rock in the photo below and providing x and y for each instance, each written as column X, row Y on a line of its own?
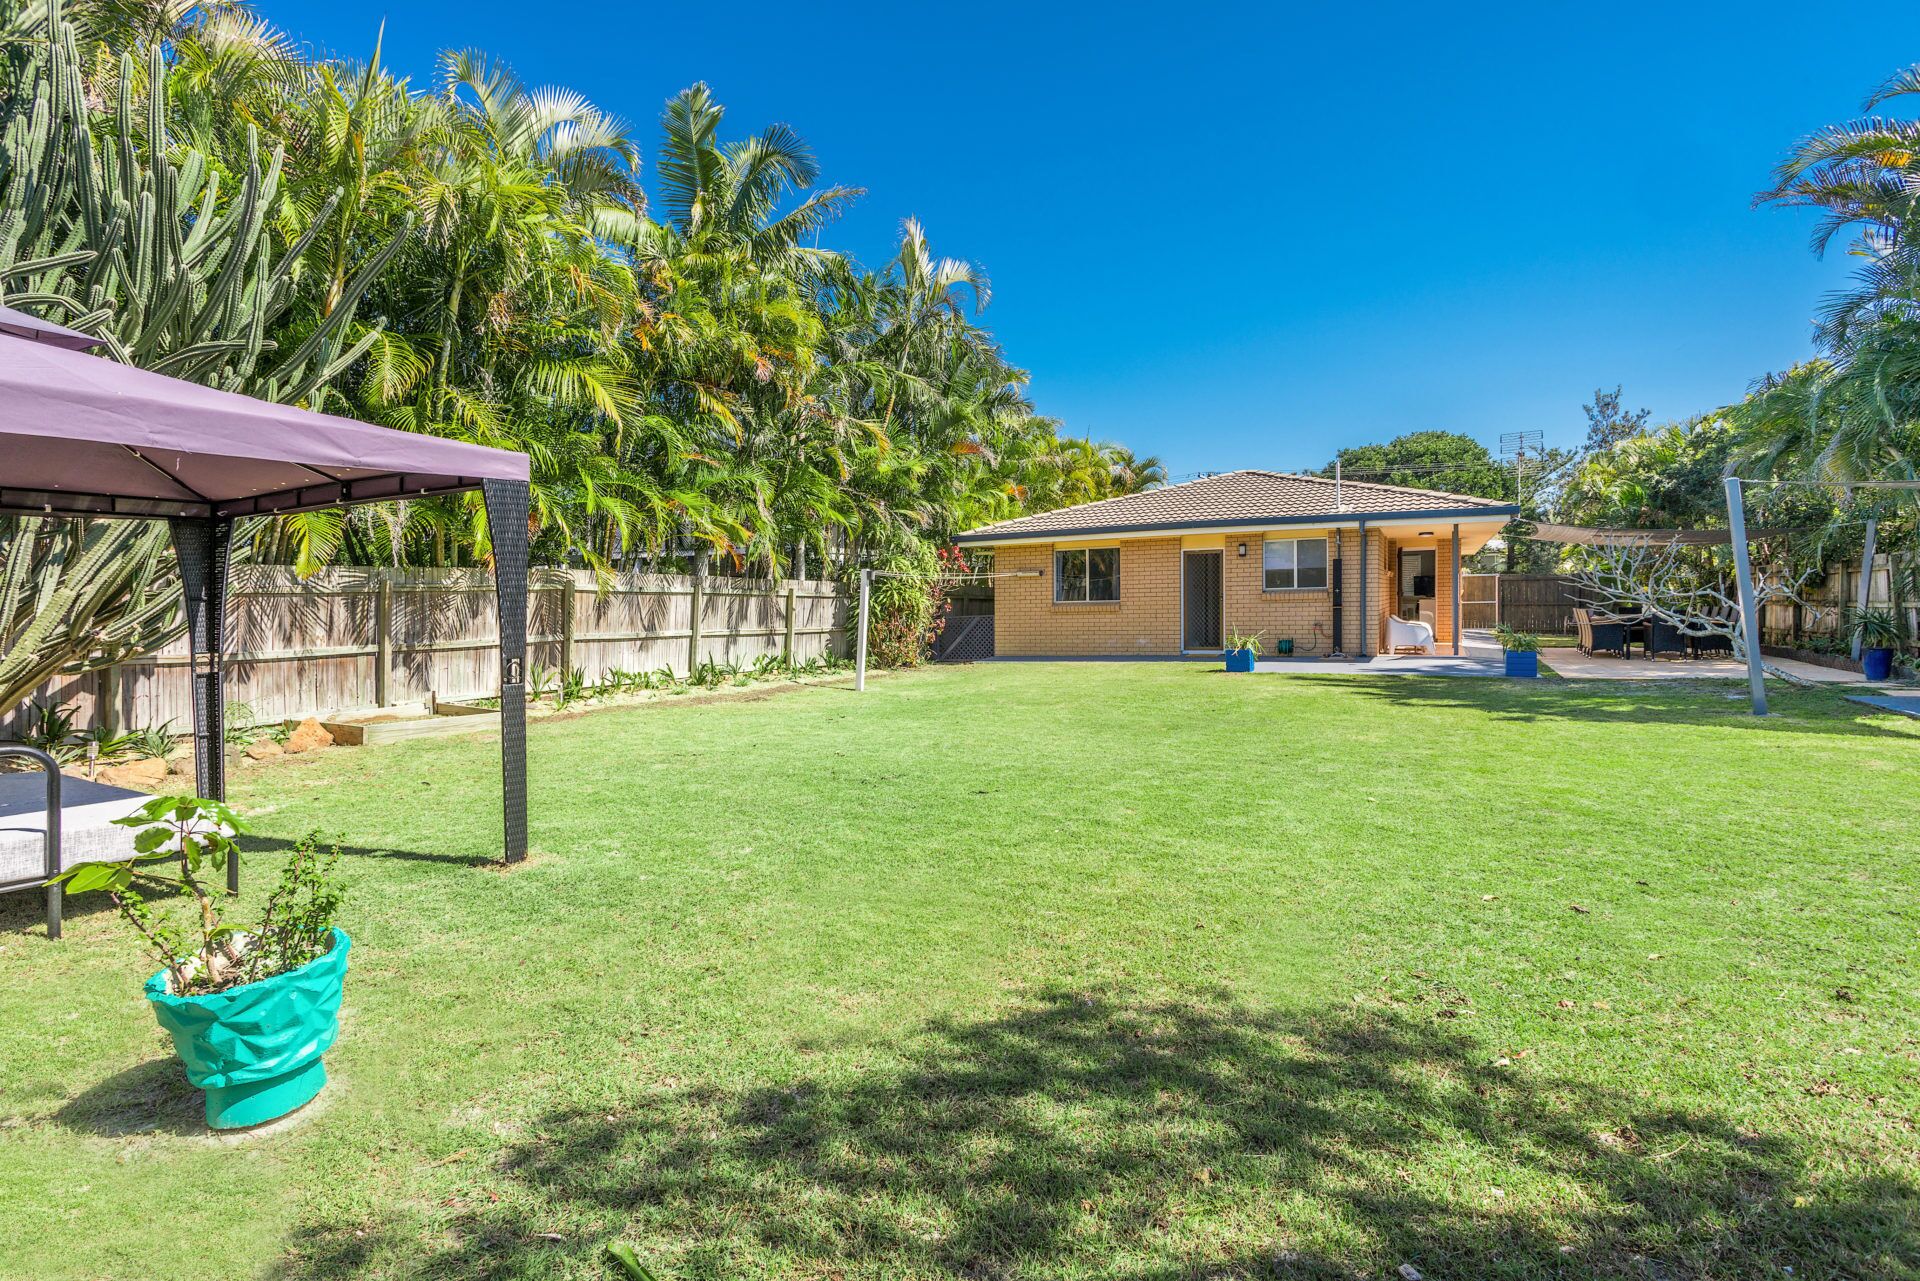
column 261, row 749
column 145, row 774
column 308, row 735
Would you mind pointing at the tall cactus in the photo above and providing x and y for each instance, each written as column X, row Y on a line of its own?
column 111, row 227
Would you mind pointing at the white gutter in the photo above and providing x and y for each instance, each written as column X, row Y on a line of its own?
column 1307, row 523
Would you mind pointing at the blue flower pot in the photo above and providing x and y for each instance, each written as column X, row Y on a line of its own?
column 255, row 1049
column 1240, row 660
column 1522, row 663
column 1877, row 663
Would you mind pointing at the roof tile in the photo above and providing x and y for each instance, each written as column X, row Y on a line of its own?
column 1232, row 498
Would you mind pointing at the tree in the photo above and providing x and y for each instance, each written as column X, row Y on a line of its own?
column 1440, row 460
column 137, row 239
column 1608, row 423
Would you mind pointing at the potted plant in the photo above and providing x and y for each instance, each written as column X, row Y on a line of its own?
column 1522, row 651
column 1242, row 650
column 250, row 1010
column 1878, row 631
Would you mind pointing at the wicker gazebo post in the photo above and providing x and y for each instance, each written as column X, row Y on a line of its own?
column 507, row 525
column 203, row 545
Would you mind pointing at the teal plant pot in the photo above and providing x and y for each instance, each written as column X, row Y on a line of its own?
column 255, row 1049
column 1523, row 663
column 1876, row 664
column 1240, row 660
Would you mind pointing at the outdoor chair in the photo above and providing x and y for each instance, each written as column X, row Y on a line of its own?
column 1404, row 636
column 1663, row 637
column 1600, row 634
column 1704, row 645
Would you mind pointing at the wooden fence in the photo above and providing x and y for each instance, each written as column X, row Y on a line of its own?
column 1821, row 615
column 1538, row 603
column 351, row 639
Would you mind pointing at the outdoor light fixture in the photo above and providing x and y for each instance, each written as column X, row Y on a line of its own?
column 1243, row 549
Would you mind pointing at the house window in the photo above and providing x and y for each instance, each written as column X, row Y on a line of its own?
column 1088, row 575
column 1289, row 563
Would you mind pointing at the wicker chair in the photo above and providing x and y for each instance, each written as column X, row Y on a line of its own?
column 1664, row 638
column 1600, row 635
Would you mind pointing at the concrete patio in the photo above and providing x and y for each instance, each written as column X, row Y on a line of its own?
column 1480, row 656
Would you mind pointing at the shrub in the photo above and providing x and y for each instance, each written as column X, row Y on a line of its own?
column 176, row 839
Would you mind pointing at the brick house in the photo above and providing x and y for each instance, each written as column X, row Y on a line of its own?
column 1170, row 571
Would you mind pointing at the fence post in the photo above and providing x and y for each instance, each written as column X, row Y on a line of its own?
column 786, row 649
column 693, row 617
column 383, row 640
column 108, row 714
column 566, row 623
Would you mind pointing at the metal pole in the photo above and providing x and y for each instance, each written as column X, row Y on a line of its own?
column 1749, row 609
column 1865, row 595
column 860, row 637
column 1456, row 589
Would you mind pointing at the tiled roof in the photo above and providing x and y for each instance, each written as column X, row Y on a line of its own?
column 1235, row 498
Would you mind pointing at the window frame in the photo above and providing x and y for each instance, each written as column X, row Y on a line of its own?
column 1086, row 576
column 1325, row 567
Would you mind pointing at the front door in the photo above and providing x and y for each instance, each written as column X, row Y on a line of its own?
column 1200, row 601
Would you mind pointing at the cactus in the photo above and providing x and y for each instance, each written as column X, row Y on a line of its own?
column 111, row 227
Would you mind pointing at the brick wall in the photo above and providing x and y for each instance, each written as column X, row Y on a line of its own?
column 1145, row 620
column 1305, row 617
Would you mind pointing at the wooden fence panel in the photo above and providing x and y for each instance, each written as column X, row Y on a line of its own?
column 302, row 647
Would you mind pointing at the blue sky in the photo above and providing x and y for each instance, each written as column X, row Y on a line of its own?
column 1246, row 236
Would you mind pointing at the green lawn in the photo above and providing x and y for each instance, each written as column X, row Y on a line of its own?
column 1051, row 971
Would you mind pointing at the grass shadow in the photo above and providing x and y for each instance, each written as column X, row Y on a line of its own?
column 1089, row 1134
column 280, row 845
column 149, row 1098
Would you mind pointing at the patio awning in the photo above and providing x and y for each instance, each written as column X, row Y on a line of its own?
column 83, row 435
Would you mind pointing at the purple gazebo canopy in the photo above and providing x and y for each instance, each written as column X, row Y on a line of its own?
column 82, row 435
column 85, row 436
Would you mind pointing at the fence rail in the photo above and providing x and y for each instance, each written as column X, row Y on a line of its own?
column 363, row 638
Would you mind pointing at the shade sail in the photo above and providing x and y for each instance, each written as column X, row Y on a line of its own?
column 1595, row 537
column 82, row 435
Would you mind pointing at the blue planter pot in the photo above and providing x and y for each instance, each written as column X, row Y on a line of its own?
column 1877, row 663
column 255, row 1049
column 1522, row 663
column 1240, row 660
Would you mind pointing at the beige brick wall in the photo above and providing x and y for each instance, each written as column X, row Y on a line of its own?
column 1305, row 617
column 1145, row 620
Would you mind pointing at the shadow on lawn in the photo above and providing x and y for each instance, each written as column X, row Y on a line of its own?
column 149, row 1098
column 1087, row 1134
column 280, row 845
column 1795, row 711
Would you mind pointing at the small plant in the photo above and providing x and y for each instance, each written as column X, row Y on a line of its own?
column 573, row 688
column 178, row 838
column 1515, row 642
column 1877, row 628
column 51, row 728
column 156, row 741
column 541, row 681
column 1240, row 640
column 106, row 747
column 242, row 725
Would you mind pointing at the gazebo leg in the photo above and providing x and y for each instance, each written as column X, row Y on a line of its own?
column 203, row 545
column 507, row 524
